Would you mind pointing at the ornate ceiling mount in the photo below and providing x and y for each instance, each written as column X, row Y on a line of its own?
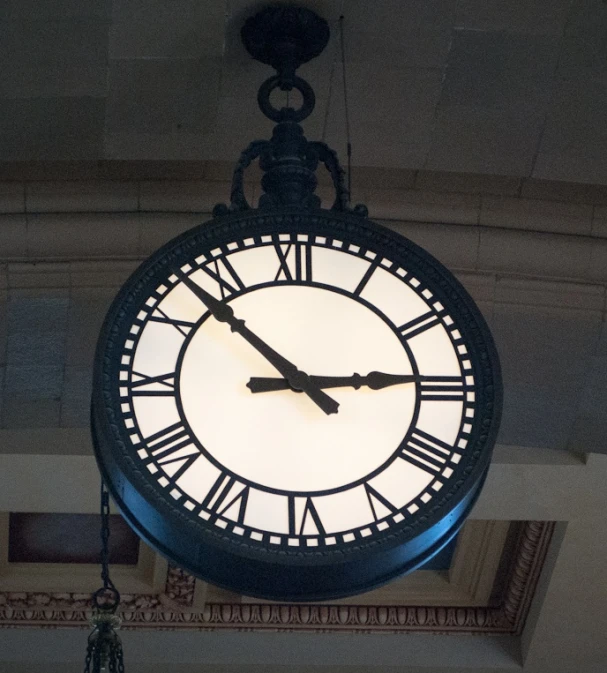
column 285, row 38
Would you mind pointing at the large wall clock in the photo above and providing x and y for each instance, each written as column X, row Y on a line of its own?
column 295, row 403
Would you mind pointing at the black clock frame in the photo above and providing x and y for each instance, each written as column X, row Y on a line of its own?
column 255, row 569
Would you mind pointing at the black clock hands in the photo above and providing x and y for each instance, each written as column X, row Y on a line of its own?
column 293, row 378
column 374, row 380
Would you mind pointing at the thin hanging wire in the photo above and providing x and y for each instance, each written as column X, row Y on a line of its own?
column 346, row 108
column 330, row 88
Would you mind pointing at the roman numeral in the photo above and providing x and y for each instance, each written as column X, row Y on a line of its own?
column 227, row 497
column 284, row 272
column 442, row 388
column 223, row 273
column 177, row 461
column 295, row 261
column 159, row 386
column 426, row 452
column 380, row 506
column 167, row 441
column 304, row 518
column 368, row 273
column 183, row 326
column 235, row 506
column 419, row 324
column 218, row 491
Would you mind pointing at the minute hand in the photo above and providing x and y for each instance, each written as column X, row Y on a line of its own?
column 293, row 377
column 374, row 380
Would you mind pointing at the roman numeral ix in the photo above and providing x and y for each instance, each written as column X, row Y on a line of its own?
column 159, row 386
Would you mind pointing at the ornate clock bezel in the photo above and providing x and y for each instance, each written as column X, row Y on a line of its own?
column 251, row 568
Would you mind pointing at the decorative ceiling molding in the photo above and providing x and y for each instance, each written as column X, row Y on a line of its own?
column 173, row 609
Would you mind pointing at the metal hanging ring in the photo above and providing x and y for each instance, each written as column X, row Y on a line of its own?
column 286, row 114
column 106, row 599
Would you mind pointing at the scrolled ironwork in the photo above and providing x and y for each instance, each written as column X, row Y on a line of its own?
column 238, row 200
column 328, row 157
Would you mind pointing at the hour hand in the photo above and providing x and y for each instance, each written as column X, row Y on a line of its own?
column 373, row 380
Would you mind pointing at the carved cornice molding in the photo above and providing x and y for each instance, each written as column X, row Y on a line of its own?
column 531, row 553
column 174, row 608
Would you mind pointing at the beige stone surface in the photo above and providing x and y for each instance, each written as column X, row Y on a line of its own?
column 82, row 235
column 532, row 215
column 419, row 206
column 12, row 197
column 81, row 196
column 467, row 183
column 185, row 196
column 535, row 253
column 13, row 236
column 599, row 222
column 456, row 246
column 569, row 192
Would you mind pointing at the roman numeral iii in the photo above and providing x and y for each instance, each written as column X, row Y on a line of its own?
column 426, row 452
column 443, row 388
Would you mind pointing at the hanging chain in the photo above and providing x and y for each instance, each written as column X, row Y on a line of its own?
column 119, row 660
column 87, row 660
column 105, row 538
column 104, row 649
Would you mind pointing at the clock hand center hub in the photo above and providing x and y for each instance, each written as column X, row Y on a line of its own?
column 298, row 380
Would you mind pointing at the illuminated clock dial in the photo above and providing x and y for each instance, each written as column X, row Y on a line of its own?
column 295, row 394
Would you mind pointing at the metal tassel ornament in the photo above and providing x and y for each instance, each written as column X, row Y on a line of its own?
column 104, row 648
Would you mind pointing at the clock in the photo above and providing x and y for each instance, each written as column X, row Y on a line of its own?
column 295, row 404
column 290, row 402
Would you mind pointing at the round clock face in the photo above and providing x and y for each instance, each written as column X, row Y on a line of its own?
column 307, row 394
